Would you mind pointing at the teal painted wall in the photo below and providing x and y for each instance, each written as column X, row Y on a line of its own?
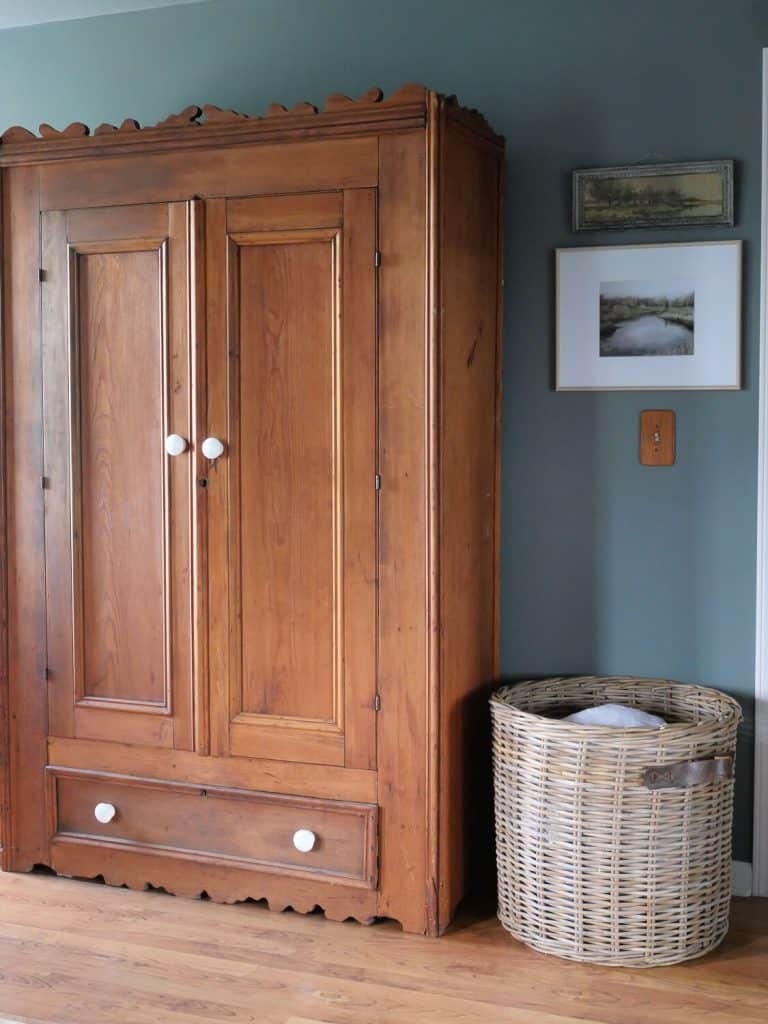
column 607, row 567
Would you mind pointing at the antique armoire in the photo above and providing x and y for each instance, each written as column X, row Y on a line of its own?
column 250, row 406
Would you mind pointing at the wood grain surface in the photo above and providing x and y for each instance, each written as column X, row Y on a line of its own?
column 216, row 825
column 312, row 614
column 118, row 533
column 24, row 839
column 469, row 182
column 122, row 459
column 292, row 373
column 80, row 953
column 657, row 437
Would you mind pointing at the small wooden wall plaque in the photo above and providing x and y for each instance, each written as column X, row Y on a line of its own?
column 657, row 437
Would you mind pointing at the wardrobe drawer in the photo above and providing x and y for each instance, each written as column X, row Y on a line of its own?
column 284, row 834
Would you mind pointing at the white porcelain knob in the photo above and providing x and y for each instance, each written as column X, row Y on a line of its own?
column 212, row 448
column 304, row 840
column 104, row 813
column 175, row 444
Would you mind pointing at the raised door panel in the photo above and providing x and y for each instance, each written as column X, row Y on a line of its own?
column 119, row 596
column 292, row 505
column 288, row 480
column 118, row 540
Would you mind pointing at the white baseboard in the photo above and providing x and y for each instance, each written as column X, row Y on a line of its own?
column 741, row 878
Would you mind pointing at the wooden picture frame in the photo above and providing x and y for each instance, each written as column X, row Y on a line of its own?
column 653, row 196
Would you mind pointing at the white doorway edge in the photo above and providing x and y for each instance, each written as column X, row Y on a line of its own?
column 760, row 848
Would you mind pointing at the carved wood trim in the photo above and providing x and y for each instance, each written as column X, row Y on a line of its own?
column 72, row 131
column 17, row 134
column 128, row 125
column 194, row 115
column 471, row 119
column 215, row 115
column 136, row 870
column 20, row 145
column 338, row 101
column 189, row 115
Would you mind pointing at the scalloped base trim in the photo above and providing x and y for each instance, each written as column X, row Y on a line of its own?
column 219, row 884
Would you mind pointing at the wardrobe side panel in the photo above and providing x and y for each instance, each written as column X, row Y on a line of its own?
column 24, row 834
column 469, row 281
column 403, row 748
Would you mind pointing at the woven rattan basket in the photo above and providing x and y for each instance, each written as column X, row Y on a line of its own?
column 614, row 845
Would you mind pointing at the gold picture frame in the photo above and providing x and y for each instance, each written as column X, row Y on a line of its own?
column 653, row 196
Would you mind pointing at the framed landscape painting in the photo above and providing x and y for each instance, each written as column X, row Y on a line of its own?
column 653, row 195
column 649, row 317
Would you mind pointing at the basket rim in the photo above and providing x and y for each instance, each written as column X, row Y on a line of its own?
column 500, row 705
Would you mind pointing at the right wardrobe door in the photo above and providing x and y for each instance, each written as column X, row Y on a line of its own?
column 290, row 501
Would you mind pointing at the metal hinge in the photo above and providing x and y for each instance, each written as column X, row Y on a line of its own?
column 41, row 274
column 377, row 703
column 45, row 483
column 46, row 673
column 377, row 481
column 377, row 257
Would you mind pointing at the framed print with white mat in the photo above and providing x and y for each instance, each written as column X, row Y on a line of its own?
column 649, row 317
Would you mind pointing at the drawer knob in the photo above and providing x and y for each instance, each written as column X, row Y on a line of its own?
column 104, row 813
column 175, row 444
column 212, row 448
column 304, row 840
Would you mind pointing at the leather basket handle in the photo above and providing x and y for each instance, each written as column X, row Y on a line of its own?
column 686, row 774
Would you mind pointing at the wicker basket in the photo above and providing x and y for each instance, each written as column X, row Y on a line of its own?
column 604, row 855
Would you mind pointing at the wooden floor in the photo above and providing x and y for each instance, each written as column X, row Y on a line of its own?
column 88, row 954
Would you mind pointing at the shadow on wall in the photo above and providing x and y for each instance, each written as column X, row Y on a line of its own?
column 550, row 463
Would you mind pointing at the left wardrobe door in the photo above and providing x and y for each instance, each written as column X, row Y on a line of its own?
column 118, row 483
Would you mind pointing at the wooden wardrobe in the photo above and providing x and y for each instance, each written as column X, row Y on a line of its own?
column 250, row 406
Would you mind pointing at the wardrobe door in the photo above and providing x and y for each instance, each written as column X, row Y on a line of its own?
column 291, row 501
column 116, row 377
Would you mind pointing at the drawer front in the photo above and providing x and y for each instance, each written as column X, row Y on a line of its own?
column 288, row 835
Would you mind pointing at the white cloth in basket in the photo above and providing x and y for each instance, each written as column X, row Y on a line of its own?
column 617, row 715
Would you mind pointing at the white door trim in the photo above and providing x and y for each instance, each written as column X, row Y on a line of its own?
column 760, row 851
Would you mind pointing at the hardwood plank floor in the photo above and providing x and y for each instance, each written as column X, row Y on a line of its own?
column 81, row 953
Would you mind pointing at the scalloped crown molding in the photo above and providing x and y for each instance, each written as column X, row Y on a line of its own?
column 201, row 117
